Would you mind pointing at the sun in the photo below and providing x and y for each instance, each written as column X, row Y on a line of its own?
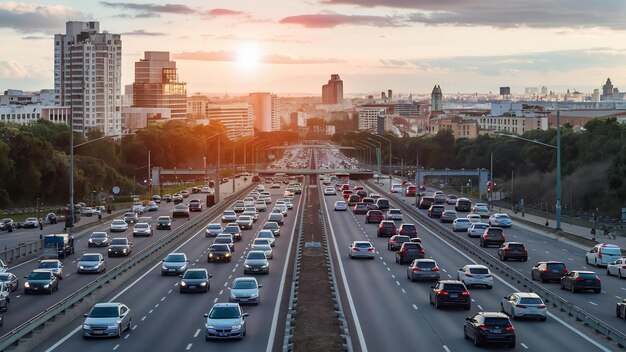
column 248, row 55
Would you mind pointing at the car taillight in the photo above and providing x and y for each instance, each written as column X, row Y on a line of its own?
column 422, row 251
column 623, row 266
column 597, row 279
column 565, row 271
column 545, row 270
column 510, row 328
column 578, row 279
column 355, row 249
column 507, row 249
column 483, row 327
column 465, row 293
column 442, row 293
column 371, row 249
column 403, row 250
column 541, row 307
column 523, row 249
column 520, row 306
column 417, row 268
column 435, row 269
column 392, row 241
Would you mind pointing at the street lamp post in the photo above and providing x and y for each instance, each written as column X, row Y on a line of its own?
column 217, row 182
column 367, row 153
column 245, row 152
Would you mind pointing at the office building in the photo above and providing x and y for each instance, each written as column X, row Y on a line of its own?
column 196, row 106
column 265, row 116
column 332, row 93
column 87, row 77
column 460, row 127
column 368, row 117
column 157, row 85
column 436, row 99
column 134, row 118
column 235, row 117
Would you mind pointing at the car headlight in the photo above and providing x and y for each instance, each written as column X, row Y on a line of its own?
column 81, row 267
column 110, row 249
column 203, row 284
column 227, row 254
column 254, row 295
column 183, row 283
column 265, row 265
column 27, row 285
column 46, row 286
column 164, row 267
column 90, row 240
column 124, row 250
column 237, row 327
column 247, row 266
column 112, row 327
column 209, row 326
column 210, row 255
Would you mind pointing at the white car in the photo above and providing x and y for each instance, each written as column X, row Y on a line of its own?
column 248, row 202
column 329, row 191
column 524, row 305
column 394, row 214
column 205, row 190
column 603, row 254
column 474, row 218
column 362, row 249
column 30, row 222
column 340, row 205
column 119, row 225
column 137, row 208
column 260, row 205
column 461, row 224
column 617, row 268
column 477, row 229
column 474, row 274
column 263, row 244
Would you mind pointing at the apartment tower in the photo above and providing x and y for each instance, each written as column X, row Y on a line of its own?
column 332, row 93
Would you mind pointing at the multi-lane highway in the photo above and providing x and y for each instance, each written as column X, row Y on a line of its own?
column 165, row 320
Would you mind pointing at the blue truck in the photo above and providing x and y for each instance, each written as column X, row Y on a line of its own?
column 58, row 245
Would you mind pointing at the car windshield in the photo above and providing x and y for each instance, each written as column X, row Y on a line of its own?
column 516, row 246
column 497, row 322
column 119, row 222
column 403, row 238
column 261, row 242
column 362, row 245
column 611, row 251
column 98, row 235
column 495, row 232
column 175, row 258
column 458, row 221
column 408, row 227
column 194, row 274
column 530, row 300
column 245, row 218
column 162, row 218
column 454, row 287
column 214, row 227
column 89, row 258
column 426, row 265
column 131, row 215
column 270, row 226
column 141, row 226
column 118, row 241
column 256, row 255
column 220, row 247
column 502, row 216
column 556, row 266
column 5, row 277
column 39, row 276
column 224, row 313
column 588, row 276
column 244, row 284
column 264, row 235
column 103, row 312
column 48, row 265
column 479, row 270
column 481, row 227
column 223, row 240
column 229, row 213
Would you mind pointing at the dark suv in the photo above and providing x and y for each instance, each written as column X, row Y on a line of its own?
column 426, row 202
column 435, row 211
column 450, row 293
column 410, row 251
column 513, row 250
column 382, row 203
column 463, row 204
column 485, row 327
column 492, row 235
column 386, row 228
column 395, row 242
column 548, row 271
column 408, row 230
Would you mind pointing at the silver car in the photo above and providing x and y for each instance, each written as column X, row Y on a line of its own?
column 245, row 290
column 474, row 274
column 477, row 229
column 142, row 229
column 91, row 263
column 283, row 208
column 256, row 263
column 524, row 304
column 260, row 205
column 229, row 216
column 267, row 235
column 263, row 244
column 174, row 264
column 53, row 265
column 272, row 226
column 362, row 249
column 225, row 321
column 425, row 269
column 254, row 214
column 107, row 319
column 245, row 222
column 461, row 224
column 276, row 217
column 213, row 229
column 119, row 226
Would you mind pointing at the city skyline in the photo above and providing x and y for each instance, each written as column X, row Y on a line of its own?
column 292, row 47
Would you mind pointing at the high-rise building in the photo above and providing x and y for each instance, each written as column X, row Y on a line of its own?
column 436, row 99
column 369, row 117
column 157, row 85
column 235, row 117
column 87, row 76
column 607, row 90
column 332, row 93
column 264, row 111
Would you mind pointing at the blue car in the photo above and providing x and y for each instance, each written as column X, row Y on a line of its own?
column 500, row 220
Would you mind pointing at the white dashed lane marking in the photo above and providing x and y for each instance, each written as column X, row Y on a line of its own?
column 197, row 332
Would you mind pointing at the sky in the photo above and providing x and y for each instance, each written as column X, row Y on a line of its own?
column 293, row 46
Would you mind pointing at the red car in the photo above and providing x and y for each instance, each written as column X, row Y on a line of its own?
column 408, row 230
column 410, row 191
column 360, row 208
column 375, row 216
column 346, row 193
column 356, row 188
column 387, row 228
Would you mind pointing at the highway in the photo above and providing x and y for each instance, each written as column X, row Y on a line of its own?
column 395, row 314
column 166, row 320
column 23, row 307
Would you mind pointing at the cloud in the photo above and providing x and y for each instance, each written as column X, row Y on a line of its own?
column 151, row 9
column 138, row 15
column 141, row 32
column 36, row 37
column 506, row 14
column 275, row 39
column 14, row 70
column 331, row 20
column 32, row 18
column 273, row 59
column 223, row 12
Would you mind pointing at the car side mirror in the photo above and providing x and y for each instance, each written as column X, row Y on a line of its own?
column 210, row 276
column 85, row 315
column 206, row 315
column 245, row 314
column 260, row 286
column 26, row 277
column 180, row 276
column 468, row 318
column 432, row 286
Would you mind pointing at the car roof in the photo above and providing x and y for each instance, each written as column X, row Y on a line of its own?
column 368, row 242
column 41, row 271
column 424, row 260
column 142, row 223
column 526, row 294
column 607, row 245
column 583, row 272
column 224, row 304
column 49, row 261
column 493, row 315
column 245, row 278
column 198, row 269
column 107, row 304
column 474, row 266
column 451, row 282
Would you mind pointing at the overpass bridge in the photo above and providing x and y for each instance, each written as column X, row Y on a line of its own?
column 353, row 173
column 481, row 174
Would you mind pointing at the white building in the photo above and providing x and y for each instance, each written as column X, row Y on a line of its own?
column 368, row 117
column 87, row 76
column 29, row 114
column 265, row 111
column 235, row 117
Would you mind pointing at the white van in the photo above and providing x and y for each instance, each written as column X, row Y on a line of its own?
column 603, row 254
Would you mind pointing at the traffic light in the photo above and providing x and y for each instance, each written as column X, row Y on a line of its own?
column 489, row 186
column 494, row 185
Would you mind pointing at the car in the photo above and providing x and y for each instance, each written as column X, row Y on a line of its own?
column 329, row 191
column 579, row 280
column 273, row 227
column 41, row 280
column 492, row 235
column 482, row 209
column 119, row 226
column 239, row 206
column 382, row 204
column 180, row 210
column 386, row 228
column 166, row 198
column 448, row 216
column 426, row 202
column 256, row 262
column 30, row 223
column 195, row 205
column 266, row 235
column 251, row 212
column 395, row 242
column 461, row 224
column 620, row 309
column 99, row 239
column 346, row 194
column 156, row 198
column 394, row 214
column 225, row 321
column 142, row 229
column 260, row 205
column 205, row 189
column 164, row 223
column 152, row 206
column 410, row 251
column 548, row 271
column 451, row 199
column 275, row 185
column 260, row 188
column 410, row 191
column 213, row 229
column 245, row 290
column 229, row 216
column 177, row 198
column 374, row 196
column 107, row 320
column 137, row 207
column 10, row 281
column 450, row 293
column 603, row 254
column 396, row 188
column 340, row 205
column 361, row 193
column 474, row 218
column 362, row 249
column 439, row 197
column 87, row 211
column 423, row 269
column 51, row 218
column 248, row 202
column 54, row 265
column 276, row 217
column 463, row 204
column 489, row 327
column 91, row 263
column 617, row 268
column 500, row 220
column 360, row 209
column 263, row 244
column 195, row 280
column 8, row 224
column 475, row 275
column 174, row 263
column 219, row 252
column 407, row 230
column 353, row 199
column 513, row 250
column 524, row 305
column 119, row 246
column 245, row 222
column 281, row 207
column 374, row 216
column 131, row 217
column 477, row 229
column 435, row 211
column 225, row 238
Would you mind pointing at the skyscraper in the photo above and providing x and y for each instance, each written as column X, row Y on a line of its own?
column 332, row 93
column 157, row 85
column 436, row 99
column 264, row 111
column 87, row 76
column 607, row 90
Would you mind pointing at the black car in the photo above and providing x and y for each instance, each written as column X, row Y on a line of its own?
column 219, row 253
column 225, row 238
column 489, row 327
column 41, row 280
column 383, row 204
column 386, row 228
column 578, row 280
column 195, row 280
column 435, row 211
column 513, row 250
column 166, row 198
column 51, row 218
column 548, row 271
column 491, row 236
column 98, row 239
column 426, row 202
column 410, row 251
column 450, row 293
column 395, row 242
column 195, row 205
column 10, row 280
column 164, row 223
column 120, row 246
column 234, row 230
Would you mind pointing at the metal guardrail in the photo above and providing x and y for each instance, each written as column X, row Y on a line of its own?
column 22, row 251
column 29, row 326
column 601, row 327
